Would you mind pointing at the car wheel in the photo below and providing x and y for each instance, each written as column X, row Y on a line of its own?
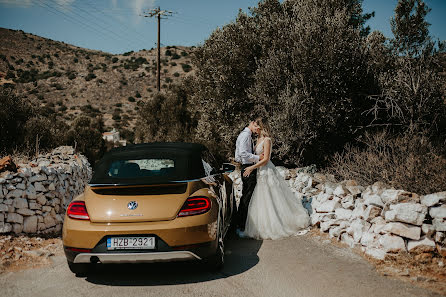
column 216, row 262
column 80, row 269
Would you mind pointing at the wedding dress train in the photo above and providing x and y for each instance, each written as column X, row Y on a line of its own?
column 274, row 210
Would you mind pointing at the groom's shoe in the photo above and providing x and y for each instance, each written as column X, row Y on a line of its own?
column 240, row 233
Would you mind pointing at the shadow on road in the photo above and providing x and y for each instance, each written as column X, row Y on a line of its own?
column 241, row 255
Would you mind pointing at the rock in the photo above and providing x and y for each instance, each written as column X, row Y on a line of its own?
column 379, row 187
column 41, row 199
column 20, row 203
column 372, row 199
column 411, row 213
column 423, row 245
column 439, row 225
column 39, row 187
column 326, row 225
column 376, row 253
column 392, row 196
column 37, row 178
column 348, row 202
column 17, row 193
column 49, row 221
column 404, row 230
column 51, row 187
column 346, row 238
column 432, row 199
column 34, row 205
column 438, row 212
column 3, row 207
column 5, row 228
column 391, row 243
column 359, row 211
column 14, row 218
column 335, row 232
column 328, row 206
column 355, row 190
column 25, row 211
column 317, row 218
column 30, row 192
column 371, row 212
column 378, row 225
column 46, row 208
column 368, row 238
column 21, row 186
column 343, row 214
column 427, row 228
column 340, row 191
column 357, row 228
column 439, row 236
column 25, row 172
column 17, row 228
column 30, row 224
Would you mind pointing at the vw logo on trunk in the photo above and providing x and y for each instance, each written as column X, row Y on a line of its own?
column 132, row 205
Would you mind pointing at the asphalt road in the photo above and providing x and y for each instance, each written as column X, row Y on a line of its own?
column 300, row 266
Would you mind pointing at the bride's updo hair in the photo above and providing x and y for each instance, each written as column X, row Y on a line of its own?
column 265, row 130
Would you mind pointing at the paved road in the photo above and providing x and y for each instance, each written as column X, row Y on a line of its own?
column 300, row 266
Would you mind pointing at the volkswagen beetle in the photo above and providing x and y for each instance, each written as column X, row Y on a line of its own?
column 151, row 202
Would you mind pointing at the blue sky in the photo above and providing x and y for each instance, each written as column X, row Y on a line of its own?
column 116, row 26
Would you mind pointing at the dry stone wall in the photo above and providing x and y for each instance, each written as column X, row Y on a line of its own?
column 34, row 199
column 377, row 218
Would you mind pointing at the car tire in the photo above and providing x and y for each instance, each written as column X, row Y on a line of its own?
column 80, row 269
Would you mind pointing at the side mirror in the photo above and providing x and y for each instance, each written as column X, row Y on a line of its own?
column 227, row 167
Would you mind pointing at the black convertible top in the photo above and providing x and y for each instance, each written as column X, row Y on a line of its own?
column 186, row 156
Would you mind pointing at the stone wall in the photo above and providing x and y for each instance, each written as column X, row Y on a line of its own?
column 34, row 199
column 377, row 218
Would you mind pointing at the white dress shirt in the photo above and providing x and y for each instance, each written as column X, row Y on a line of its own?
column 244, row 148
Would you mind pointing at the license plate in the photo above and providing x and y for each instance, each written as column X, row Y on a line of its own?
column 126, row 243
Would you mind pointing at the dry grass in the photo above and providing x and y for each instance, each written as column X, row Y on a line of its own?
column 407, row 162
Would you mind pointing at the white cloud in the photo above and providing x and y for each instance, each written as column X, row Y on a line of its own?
column 141, row 5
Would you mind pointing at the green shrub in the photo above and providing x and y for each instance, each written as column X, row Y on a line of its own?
column 168, row 52
column 186, row 67
column 90, row 76
column 184, row 54
column 176, row 74
column 176, row 56
column 75, row 60
column 137, row 94
column 131, row 99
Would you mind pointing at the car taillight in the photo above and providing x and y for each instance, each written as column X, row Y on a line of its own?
column 195, row 206
column 77, row 210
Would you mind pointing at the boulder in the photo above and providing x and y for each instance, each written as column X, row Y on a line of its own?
column 34, row 205
column 432, row 199
column 372, row 199
column 5, row 228
column 438, row 212
column 357, row 228
column 17, row 193
column 17, row 228
column 30, row 224
column 392, row 244
column 355, row 190
column 41, row 199
column 371, row 212
column 328, row 206
column 359, row 211
column 39, row 187
column 343, row 214
column 378, row 225
column 423, row 245
column 30, row 192
column 14, row 218
column 25, row 212
column 439, row 225
column 404, row 230
column 20, row 203
column 376, row 253
column 37, row 178
column 348, row 202
column 411, row 213
column 427, row 229
column 3, row 207
column 49, row 221
column 368, row 238
column 340, row 191
column 392, row 196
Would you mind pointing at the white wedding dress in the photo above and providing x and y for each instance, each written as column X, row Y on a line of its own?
column 274, row 210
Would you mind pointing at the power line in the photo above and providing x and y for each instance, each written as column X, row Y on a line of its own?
column 159, row 14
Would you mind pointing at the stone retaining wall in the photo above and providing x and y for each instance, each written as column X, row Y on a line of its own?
column 34, row 199
column 377, row 218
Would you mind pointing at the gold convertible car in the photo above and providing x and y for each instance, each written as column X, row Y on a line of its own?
column 151, row 202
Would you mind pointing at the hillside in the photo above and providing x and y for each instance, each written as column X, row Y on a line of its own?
column 73, row 80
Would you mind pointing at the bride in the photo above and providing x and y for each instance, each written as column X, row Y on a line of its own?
column 274, row 211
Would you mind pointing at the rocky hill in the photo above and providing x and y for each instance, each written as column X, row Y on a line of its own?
column 73, row 80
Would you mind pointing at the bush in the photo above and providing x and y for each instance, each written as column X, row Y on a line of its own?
column 131, row 99
column 90, row 76
column 176, row 56
column 114, row 60
column 176, row 74
column 168, row 52
column 137, row 94
column 408, row 162
column 186, row 67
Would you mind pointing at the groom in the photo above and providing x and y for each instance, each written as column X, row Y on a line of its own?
column 244, row 154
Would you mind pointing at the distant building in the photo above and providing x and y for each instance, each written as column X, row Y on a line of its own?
column 113, row 136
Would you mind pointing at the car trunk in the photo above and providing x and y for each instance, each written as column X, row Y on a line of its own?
column 110, row 204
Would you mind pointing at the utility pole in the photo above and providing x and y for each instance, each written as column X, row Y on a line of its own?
column 160, row 14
